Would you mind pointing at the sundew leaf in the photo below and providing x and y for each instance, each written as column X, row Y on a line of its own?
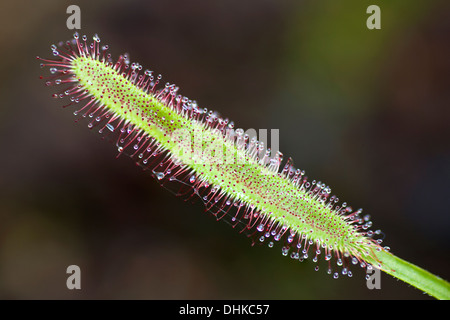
column 197, row 153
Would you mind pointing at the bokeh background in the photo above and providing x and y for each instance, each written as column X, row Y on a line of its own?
column 366, row 111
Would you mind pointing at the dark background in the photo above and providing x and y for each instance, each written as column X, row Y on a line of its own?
column 366, row 111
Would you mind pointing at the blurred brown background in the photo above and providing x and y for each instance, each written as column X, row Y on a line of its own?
column 366, row 111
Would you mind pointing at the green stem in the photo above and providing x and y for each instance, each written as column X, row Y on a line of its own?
column 414, row 275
